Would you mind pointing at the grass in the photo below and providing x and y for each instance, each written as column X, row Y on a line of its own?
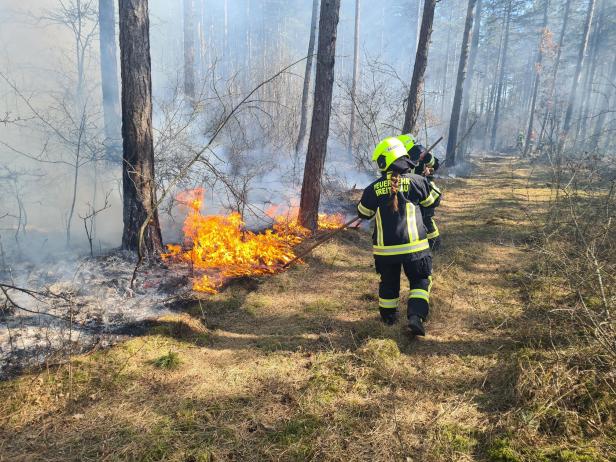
column 297, row 366
column 169, row 361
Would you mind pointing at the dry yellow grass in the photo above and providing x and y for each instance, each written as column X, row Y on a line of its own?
column 298, row 367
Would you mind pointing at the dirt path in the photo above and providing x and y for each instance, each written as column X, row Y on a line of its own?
column 298, row 367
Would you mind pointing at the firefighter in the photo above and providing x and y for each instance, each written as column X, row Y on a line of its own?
column 427, row 164
column 399, row 238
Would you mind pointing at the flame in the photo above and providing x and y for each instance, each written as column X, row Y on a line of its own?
column 218, row 247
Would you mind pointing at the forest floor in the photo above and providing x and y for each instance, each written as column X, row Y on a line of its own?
column 297, row 366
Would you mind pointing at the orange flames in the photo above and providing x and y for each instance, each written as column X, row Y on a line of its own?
column 219, row 248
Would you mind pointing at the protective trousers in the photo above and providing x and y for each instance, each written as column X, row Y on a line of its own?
column 419, row 274
column 434, row 236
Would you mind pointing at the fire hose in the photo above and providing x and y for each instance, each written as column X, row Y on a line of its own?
column 330, row 235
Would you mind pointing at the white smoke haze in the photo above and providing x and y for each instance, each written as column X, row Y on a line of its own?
column 52, row 124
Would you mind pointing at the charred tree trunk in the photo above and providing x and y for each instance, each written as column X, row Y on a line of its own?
column 139, row 191
column 189, row 50
column 537, row 83
column 452, row 140
column 413, row 103
column 109, row 80
column 319, row 131
column 501, row 78
column 355, row 75
column 578, row 71
column 307, row 77
column 469, row 77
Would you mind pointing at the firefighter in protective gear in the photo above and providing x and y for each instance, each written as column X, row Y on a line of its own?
column 399, row 239
column 426, row 165
column 426, row 162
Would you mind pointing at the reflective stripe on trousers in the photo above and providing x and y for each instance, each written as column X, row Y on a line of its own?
column 391, row 303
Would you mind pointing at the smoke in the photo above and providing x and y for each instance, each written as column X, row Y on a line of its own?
column 238, row 44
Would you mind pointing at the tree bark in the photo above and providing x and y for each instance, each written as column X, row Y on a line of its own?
column 307, row 77
column 589, row 77
column 501, row 79
column 537, row 83
column 605, row 107
column 109, row 80
column 319, row 131
column 446, row 70
column 469, row 77
column 578, row 71
column 413, row 103
column 355, row 76
column 189, row 50
column 139, row 191
column 452, row 140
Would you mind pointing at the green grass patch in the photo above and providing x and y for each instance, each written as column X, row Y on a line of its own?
column 170, row 361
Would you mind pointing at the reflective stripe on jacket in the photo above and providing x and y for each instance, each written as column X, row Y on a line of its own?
column 400, row 233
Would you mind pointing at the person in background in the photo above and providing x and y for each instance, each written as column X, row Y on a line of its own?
column 426, row 164
column 400, row 238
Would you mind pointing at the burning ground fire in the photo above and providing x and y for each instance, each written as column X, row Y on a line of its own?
column 217, row 247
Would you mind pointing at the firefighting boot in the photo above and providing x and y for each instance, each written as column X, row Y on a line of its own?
column 389, row 316
column 416, row 326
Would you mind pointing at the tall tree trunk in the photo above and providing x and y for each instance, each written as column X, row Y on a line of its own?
column 109, row 80
column 501, row 79
column 248, row 50
column 138, row 167
column 605, row 107
column 537, row 83
column 452, row 140
column 319, row 131
column 589, row 77
column 189, row 49
column 355, row 75
column 446, row 70
column 225, row 38
column 413, row 103
column 559, row 49
column 469, row 77
column 578, row 71
column 550, row 105
column 307, row 77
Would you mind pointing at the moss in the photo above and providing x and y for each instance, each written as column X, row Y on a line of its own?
column 568, row 455
column 169, row 361
column 380, row 351
column 501, row 451
column 450, row 441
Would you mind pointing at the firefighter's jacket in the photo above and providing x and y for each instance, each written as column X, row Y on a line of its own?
column 429, row 160
column 398, row 235
column 427, row 210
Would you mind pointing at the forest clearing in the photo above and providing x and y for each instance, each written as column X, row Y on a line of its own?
column 308, row 230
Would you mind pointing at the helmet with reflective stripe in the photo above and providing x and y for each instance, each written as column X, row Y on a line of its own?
column 387, row 152
column 407, row 140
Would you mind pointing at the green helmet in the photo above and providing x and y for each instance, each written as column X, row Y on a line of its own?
column 408, row 141
column 387, row 152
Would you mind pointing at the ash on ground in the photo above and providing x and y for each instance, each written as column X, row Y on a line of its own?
column 73, row 306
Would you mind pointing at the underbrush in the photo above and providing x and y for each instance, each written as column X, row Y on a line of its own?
column 563, row 386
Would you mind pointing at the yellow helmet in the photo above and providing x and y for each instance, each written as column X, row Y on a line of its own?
column 408, row 141
column 387, row 152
